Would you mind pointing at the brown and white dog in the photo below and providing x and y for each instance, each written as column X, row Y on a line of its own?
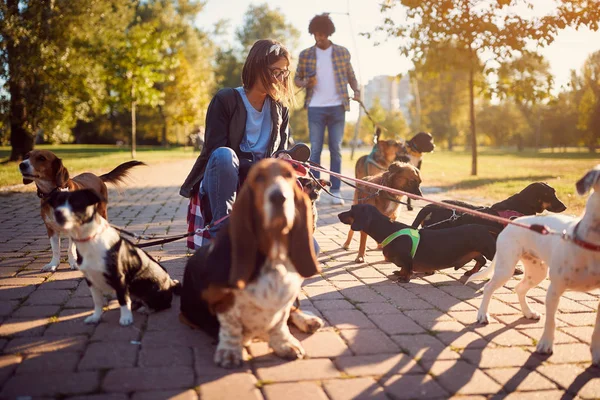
column 412, row 150
column 401, row 176
column 50, row 175
column 243, row 285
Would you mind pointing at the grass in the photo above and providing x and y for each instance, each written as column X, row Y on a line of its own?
column 503, row 173
column 93, row 158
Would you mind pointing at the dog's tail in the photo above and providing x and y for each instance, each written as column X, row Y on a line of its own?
column 176, row 288
column 121, row 171
column 483, row 274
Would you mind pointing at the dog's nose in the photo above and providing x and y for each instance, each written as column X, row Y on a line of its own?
column 277, row 198
column 23, row 166
column 59, row 217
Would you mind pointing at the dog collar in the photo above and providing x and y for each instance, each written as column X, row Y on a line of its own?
column 43, row 195
column 87, row 239
column 583, row 243
column 413, row 234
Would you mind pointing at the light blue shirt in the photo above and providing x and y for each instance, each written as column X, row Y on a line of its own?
column 258, row 127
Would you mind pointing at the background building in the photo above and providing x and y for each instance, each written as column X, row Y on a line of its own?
column 394, row 93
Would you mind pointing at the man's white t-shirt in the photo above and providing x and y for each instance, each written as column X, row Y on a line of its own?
column 324, row 92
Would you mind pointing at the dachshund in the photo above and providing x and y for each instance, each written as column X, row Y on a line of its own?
column 401, row 176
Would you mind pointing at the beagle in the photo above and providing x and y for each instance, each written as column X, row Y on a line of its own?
column 401, row 176
column 49, row 174
column 251, row 274
column 110, row 263
column 571, row 259
column 412, row 150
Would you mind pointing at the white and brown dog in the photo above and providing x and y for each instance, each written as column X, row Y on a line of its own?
column 50, row 175
column 572, row 261
column 110, row 263
column 243, row 285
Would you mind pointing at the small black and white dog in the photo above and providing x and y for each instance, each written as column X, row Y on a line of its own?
column 110, row 263
column 313, row 189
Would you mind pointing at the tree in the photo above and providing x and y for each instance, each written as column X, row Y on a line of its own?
column 480, row 27
column 52, row 63
column 527, row 81
column 260, row 22
column 589, row 105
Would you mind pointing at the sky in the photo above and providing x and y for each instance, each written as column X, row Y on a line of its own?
column 568, row 51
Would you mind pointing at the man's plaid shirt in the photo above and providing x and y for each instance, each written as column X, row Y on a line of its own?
column 342, row 69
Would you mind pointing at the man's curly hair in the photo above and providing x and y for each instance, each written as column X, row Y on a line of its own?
column 321, row 24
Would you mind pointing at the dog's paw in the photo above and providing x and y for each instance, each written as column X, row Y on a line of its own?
column 345, row 246
column 50, row 267
column 483, row 318
column 306, row 321
column 229, row 358
column 73, row 265
column 290, row 350
column 359, row 259
column 92, row 319
column 544, row 346
column 533, row 315
column 126, row 319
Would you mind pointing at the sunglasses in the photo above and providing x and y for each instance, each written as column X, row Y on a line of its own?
column 279, row 73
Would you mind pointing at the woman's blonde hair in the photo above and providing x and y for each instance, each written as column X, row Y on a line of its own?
column 262, row 55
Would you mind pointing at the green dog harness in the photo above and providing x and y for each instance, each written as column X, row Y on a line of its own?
column 413, row 234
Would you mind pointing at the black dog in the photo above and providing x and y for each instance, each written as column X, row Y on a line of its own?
column 437, row 249
column 109, row 262
column 534, row 199
column 313, row 189
column 412, row 151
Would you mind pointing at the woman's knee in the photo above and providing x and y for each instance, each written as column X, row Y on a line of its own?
column 224, row 157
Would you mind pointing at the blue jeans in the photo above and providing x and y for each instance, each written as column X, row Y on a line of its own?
column 220, row 184
column 334, row 119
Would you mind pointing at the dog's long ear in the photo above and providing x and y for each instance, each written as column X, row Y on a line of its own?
column 61, row 175
column 301, row 248
column 590, row 179
column 362, row 218
column 91, row 196
column 244, row 241
column 324, row 182
column 376, row 135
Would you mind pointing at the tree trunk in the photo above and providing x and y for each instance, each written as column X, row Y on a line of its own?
column 472, row 112
column 21, row 137
column 163, row 140
column 133, row 127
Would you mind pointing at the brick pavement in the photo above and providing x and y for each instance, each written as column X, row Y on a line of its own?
column 382, row 339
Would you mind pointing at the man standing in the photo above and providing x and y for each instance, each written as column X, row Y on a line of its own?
column 325, row 71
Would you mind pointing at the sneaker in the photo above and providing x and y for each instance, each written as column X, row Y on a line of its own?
column 337, row 201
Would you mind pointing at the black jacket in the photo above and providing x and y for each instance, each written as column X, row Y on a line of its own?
column 225, row 127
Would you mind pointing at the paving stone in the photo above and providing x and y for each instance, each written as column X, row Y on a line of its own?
column 50, row 384
column 574, row 379
column 105, row 355
column 294, row 391
column 323, row 305
column 577, row 319
column 149, row 378
column 181, row 394
column 378, row 364
column 44, row 344
column 45, row 297
column 368, row 341
column 498, row 357
column 166, row 357
column 36, row 311
column 15, row 292
column 70, row 321
column 55, row 362
column 583, row 333
column 521, row 379
column 414, row 387
column 378, row 308
column 425, row 347
column 396, row 324
column 570, row 353
column 298, row 370
column 23, row 327
column 348, row 319
column 8, row 364
column 459, row 377
column 239, row 386
column 354, row 389
column 7, row 307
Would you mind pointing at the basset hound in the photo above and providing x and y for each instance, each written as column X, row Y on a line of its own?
column 243, row 285
column 50, row 175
